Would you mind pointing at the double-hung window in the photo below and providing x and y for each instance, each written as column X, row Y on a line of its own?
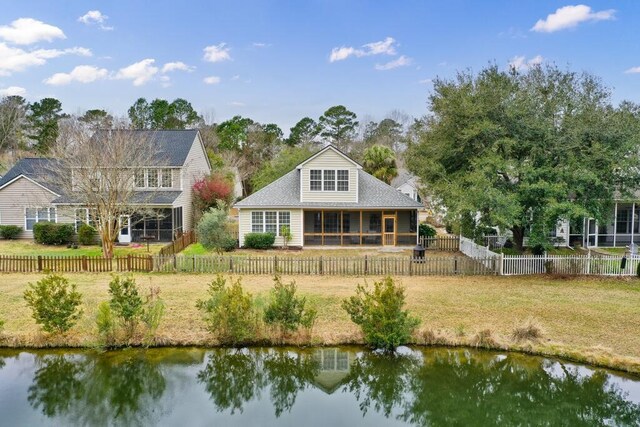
column 139, row 176
column 329, row 180
column 166, row 180
column 269, row 221
column 35, row 215
column 152, row 178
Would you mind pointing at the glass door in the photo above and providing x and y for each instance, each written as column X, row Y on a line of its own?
column 389, row 232
column 125, row 229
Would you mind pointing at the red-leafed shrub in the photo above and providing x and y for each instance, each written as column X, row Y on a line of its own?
column 211, row 189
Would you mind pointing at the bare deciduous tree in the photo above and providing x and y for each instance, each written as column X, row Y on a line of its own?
column 97, row 170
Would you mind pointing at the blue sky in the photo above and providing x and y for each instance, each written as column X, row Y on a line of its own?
column 278, row 61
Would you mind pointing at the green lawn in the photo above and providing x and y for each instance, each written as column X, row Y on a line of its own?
column 198, row 249
column 29, row 247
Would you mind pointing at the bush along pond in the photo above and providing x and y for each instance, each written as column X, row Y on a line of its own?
column 323, row 386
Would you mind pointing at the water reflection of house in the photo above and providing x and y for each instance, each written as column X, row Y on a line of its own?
column 334, row 366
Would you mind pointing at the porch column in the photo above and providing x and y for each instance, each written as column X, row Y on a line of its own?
column 322, row 228
column 361, row 227
column 597, row 233
column 615, row 223
column 633, row 220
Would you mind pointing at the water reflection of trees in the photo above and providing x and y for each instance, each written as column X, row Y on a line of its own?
column 234, row 377
column 457, row 388
column 97, row 389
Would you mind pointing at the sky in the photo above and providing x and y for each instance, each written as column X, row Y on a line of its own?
column 279, row 61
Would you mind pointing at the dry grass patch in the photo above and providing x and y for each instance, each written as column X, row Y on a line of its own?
column 582, row 317
column 529, row 330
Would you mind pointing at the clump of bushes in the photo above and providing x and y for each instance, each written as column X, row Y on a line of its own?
column 126, row 302
column 380, row 315
column 55, row 304
column 106, row 323
column 50, row 233
column 213, row 231
column 529, row 330
column 152, row 313
column 259, row 240
column 86, row 234
column 426, row 230
column 483, row 338
column 229, row 312
column 9, row 232
column 287, row 311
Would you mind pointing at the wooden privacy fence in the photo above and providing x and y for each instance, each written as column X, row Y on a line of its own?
column 339, row 266
column 178, row 244
column 440, row 243
column 75, row 264
column 601, row 265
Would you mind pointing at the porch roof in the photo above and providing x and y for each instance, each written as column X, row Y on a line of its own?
column 139, row 197
column 285, row 193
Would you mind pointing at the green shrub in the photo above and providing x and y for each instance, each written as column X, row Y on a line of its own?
column 385, row 325
column 259, row 240
column 54, row 303
column 286, row 310
column 426, row 230
column 9, row 232
column 213, row 231
column 229, row 312
column 126, row 302
column 1, row 325
column 86, row 234
column 106, row 323
column 285, row 232
column 50, row 233
column 152, row 313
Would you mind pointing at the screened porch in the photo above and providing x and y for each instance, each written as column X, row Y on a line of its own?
column 360, row 227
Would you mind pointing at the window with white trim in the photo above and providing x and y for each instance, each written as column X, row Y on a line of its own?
column 139, row 177
column 35, row 215
column 152, row 178
column 270, row 221
column 83, row 216
column 166, row 178
column 329, row 180
column 315, row 182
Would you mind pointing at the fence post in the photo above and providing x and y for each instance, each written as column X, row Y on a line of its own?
column 501, row 265
column 455, row 265
column 129, row 262
column 589, row 262
column 231, row 264
column 320, row 267
column 410, row 265
column 275, row 264
column 84, row 263
column 366, row 265
column 39, row 262
column 175, row 262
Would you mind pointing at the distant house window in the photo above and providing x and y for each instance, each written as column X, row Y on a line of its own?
column 316, row 180
column 152, row 178
column 166, row 179
column 269, row 221
column 83, row 216
column 257, row 222
column 33, row 216
column 343, row 180
column 139, row 175
column 329, row 180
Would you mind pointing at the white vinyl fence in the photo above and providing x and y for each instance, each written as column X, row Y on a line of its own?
column 600, row 265
column 481, row 254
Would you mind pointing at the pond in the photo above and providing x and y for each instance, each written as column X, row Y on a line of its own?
column 311, row 387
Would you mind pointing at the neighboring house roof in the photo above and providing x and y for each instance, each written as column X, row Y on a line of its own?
column 285, row 192
column 36, row 169
column 173, row 145
column 404, row 177
column 160, row 197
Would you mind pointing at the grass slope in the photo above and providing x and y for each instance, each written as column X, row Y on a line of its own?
column 587, row 319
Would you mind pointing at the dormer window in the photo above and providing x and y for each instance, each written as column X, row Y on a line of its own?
column 153, row 178
column 329, row 180
column 139, row 178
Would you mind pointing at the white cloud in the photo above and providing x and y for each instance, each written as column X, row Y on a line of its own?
column 384, row 47
column 28, row 31
column 425, row 81
column 217, row 53
column 13, row 91
column 140, row 72
column 237, row 104
column 165, row 81
column 236, row 77
column 211, row 80
column 13, row 59
column 81, row 73
column 260, row 44
column 569, row 17
column 177, row 66
column 633, row 70
column 95, row 17
column 520, row 63
column 402, row 61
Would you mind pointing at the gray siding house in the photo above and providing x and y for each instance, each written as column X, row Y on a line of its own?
column 27, row 195
column 328, row 200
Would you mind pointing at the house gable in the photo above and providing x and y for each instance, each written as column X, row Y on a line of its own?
column 334, row 177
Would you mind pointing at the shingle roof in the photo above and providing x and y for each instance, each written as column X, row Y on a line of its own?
column 173, row 145
column 285, row 192
column 36, row 168
column 403, row 177
column 139, row 197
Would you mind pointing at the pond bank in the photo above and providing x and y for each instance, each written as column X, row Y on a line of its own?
column 589, row 320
